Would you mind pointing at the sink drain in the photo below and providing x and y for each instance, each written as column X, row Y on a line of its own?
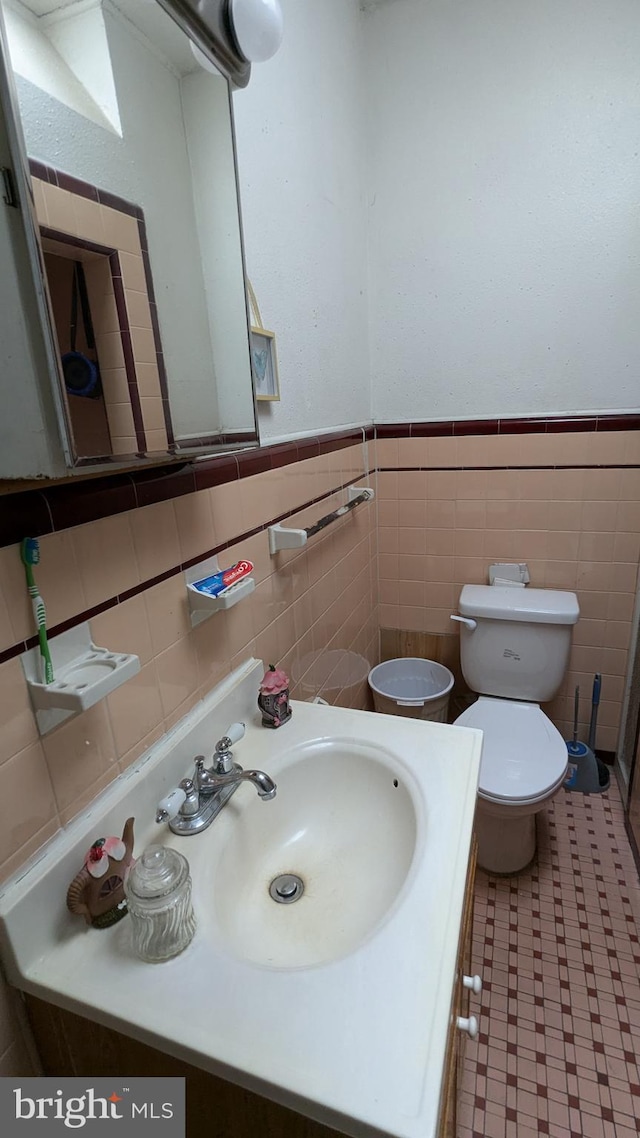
column 286, row 888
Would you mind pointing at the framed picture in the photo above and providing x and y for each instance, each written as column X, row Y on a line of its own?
column 264, row 364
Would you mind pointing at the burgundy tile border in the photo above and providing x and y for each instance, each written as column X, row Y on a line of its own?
column 37, row 512
column 127, row 351
column 83, row 189
column 86, row 501
column 76, row 502
column 526, row 425
column 225, row 438
column 252, row 462
column 155, row 485
column 216, row 471
column 111, row 602
column 10, row 653
column 237, row 438
column 75, row 242
column 505, row 466
column 16, row 510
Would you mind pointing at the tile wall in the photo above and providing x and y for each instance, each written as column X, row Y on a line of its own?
column 307, row 602
column 566, row 503
column 448, row 505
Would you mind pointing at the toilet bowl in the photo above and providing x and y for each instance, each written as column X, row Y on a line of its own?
column 524, row 764
column 514, row 650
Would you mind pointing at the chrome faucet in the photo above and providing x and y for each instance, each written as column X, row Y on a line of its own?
column 196, row 801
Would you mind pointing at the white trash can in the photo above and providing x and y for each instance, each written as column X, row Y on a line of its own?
column 413, row 687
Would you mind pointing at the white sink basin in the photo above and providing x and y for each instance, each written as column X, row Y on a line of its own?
column 337, row 1005
column 344, row 822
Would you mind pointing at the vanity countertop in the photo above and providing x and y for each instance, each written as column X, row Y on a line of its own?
column 356, row 1041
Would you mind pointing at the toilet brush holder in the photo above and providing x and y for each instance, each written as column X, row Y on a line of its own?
column 583, row 774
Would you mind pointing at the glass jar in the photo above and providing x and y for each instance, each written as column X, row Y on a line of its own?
column 158, row 890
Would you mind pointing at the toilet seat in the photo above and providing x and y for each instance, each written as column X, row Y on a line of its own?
column 524, row 757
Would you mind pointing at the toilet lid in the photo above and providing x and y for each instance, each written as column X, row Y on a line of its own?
column 523, row 755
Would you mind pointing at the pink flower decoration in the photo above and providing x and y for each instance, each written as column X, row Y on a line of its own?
column 97, row 858
column 274, row 681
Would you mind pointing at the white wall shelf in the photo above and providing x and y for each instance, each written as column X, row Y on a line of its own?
column 200, row 604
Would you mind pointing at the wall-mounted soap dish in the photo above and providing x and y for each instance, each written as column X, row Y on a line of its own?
column 84, row 674
column 201, row 605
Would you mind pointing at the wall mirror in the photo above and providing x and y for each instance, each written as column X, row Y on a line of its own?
column 128, row 137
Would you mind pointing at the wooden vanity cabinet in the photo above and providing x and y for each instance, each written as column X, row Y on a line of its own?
column 71, row 1045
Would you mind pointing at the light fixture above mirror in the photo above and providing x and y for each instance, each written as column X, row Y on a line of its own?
column 257, row 26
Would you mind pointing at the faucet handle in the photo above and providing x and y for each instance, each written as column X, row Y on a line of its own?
column 223, row 759
column 232, row 735
column 183, row 799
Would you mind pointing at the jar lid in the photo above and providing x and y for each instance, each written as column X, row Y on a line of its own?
column 158, row 872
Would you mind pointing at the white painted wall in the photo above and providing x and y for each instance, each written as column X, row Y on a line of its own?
column 207, row 122
column 300, row 139
column 504, row 193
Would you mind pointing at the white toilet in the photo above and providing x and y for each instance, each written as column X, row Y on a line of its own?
column 514, row 650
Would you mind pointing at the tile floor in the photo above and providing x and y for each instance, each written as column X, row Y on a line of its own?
column 558, row 1051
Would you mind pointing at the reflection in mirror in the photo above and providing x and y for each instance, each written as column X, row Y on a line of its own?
column 130, row 147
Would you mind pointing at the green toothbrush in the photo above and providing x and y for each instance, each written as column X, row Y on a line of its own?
column 30, row 554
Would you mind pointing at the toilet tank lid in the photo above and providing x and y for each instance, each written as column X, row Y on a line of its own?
column 537, row 606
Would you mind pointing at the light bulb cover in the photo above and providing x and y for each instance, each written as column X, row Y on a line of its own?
column 258, row 28
column 205, row 63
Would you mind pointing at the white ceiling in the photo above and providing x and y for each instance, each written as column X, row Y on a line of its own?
column 45, row 7
column 146, row 15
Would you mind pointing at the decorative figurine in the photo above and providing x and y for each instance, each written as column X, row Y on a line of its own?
column 97, row 891
column 273, row 699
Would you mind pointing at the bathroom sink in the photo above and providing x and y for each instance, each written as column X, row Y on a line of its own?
column 374, row 813
column 337, row 843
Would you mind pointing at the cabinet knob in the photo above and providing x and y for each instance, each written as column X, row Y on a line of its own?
column 474, row 983
column 469, row 1025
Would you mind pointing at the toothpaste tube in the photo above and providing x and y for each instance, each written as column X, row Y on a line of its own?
column 219, row 583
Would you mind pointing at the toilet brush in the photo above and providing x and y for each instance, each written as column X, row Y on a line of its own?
column 603, row 771
column 582, row 774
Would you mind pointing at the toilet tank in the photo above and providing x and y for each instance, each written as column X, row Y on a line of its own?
column 520, row 646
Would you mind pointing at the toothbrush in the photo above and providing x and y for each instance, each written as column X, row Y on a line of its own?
column 30, row 554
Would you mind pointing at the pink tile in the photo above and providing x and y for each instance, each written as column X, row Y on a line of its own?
column 412, row 485
column 167, row 612
column 140, row 747
column 135, row 709
column 213, row 649
column 104, row 552
column 79, row 754
column 24, row 780
column 226, row 506
column 194, row 519
column 18, row 722
column 124, row 628
column 177, row 669
column 155, row 539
